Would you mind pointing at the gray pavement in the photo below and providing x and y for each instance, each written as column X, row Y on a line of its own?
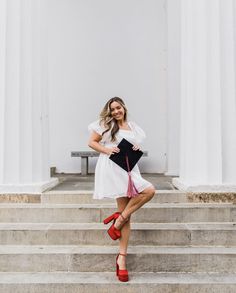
column 72, row 182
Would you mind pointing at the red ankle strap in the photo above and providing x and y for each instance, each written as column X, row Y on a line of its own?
column 123, row 218
column 123, row 254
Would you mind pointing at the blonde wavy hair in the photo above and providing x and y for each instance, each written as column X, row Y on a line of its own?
column 108, row 121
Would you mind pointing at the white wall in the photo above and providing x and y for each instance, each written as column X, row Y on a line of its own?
column 173, row 88
column 100, row 49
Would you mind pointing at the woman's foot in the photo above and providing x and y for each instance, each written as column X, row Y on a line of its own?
column 112, row 231
column 120, row 221
column 121, row 261
column 121, row 270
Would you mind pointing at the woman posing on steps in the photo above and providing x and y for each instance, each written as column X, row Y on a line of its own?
column 111, row 180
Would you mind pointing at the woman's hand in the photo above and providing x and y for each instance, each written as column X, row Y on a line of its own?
column 111, row 151
column 136, row 147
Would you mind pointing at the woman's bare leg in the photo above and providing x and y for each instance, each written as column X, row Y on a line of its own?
column 135, row 203
column 127, row 206
column 125, row 232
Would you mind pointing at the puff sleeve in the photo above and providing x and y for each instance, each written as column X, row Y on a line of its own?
column 95, row 126
column 139, row 132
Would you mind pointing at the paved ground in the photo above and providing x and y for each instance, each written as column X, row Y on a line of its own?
column 79, row 182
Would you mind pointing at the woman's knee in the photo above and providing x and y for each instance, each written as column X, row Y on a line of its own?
column 150, row 192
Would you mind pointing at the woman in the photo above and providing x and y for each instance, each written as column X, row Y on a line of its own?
column 111, row 180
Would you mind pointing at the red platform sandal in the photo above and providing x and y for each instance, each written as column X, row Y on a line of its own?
column 122, row 275
column 112, row 231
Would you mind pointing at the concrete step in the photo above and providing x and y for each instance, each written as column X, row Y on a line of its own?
column 161, row 196
column 152, row 213
column 75, row 197
column 20, row 198
column 171, row 234
column 85, row 196
column 106, row 282
column 102, row 259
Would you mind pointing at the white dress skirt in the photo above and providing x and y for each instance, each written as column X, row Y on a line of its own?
column 111, row 181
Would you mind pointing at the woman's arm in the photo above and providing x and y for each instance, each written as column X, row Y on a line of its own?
column 93, row 143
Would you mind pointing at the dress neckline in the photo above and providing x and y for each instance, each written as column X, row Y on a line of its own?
column 130, row 128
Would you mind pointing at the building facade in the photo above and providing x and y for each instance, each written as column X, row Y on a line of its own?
column 172, row 61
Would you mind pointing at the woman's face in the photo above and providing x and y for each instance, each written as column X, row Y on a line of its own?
column 117, row 111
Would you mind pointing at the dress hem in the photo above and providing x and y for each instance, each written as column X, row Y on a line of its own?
column 123, row 194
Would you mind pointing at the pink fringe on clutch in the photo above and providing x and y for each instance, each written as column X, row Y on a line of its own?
column 132, row 190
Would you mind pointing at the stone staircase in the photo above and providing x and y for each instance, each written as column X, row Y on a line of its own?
column 56, row 242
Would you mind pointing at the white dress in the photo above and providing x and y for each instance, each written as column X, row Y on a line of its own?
column 111, row 180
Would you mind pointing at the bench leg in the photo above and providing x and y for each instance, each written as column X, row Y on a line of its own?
column 84, row 165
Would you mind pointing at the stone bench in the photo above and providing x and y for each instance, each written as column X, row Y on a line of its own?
column 84, row 155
